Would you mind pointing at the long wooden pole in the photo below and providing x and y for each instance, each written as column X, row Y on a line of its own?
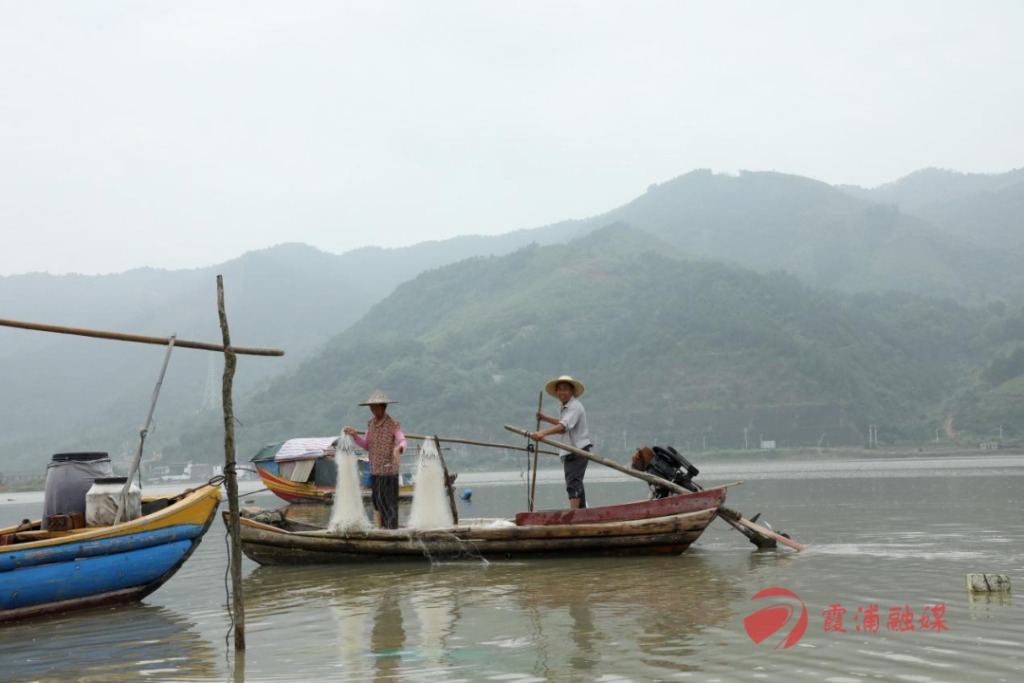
column 121, row 336
column 230, row 481
column 536, row 455
column 649, row 478
column 122, row 502
column 448, row 439
column 658, row 481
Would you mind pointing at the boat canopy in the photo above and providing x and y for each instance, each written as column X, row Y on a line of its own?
column 297, row 449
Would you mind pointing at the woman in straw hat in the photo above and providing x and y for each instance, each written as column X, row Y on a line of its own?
column 572, row 422
column 385, row 442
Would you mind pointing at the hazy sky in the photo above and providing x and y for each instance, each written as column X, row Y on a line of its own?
column 183, row 134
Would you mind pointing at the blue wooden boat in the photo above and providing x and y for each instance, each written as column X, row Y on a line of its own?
column 72, row 559
column 48, row 571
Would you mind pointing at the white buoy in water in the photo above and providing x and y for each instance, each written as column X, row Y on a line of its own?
column 988, row 583
column 348, row 511
column 430, row 506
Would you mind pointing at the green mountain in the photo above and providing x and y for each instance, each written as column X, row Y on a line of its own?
column 695, row 354
column 824, row 236
column 987, row 209
column 930, row 186
column 64, row 393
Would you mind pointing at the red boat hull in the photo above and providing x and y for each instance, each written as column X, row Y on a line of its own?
column 644, row 509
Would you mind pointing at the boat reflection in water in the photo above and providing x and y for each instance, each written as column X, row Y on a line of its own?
column 552, row 619
column 130, row 643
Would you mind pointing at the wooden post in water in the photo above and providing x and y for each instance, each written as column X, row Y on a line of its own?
column 230, row 480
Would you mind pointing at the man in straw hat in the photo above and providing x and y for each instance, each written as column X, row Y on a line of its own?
column 385, row 442
column 572, row 422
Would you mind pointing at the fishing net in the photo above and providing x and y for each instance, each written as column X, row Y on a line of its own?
column 348, row 512
column 431, row 508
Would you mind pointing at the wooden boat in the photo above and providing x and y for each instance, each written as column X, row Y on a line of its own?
column 669, row 472
column 84, row 561
column 48, row 571
column 302, row 470
column 664, row 526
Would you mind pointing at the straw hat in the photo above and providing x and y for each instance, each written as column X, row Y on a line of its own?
column 378, row 397
column 577, row 386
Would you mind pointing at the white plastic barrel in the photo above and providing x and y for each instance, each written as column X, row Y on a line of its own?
column 102, row 499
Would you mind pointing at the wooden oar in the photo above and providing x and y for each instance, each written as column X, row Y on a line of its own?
column 760, row 540
column 121, row 336
column 732, row 516
column 658, row 481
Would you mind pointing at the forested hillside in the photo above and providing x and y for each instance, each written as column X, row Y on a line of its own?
column 824, row 236
column 988, row 210
column 632, row 307
column 691, row 353
column 61, row 392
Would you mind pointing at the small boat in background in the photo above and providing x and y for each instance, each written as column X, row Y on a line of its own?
column 67, row 567
column 302, row 470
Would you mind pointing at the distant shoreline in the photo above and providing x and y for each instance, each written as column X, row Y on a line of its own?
column 850, row 452
column 246, row 488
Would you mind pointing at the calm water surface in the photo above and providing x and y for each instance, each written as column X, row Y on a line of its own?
column 896, row 534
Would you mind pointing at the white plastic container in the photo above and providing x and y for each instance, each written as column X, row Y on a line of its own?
column 102, row 499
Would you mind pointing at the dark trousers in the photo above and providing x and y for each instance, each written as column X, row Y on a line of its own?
column 575, row 467
column 384, row 493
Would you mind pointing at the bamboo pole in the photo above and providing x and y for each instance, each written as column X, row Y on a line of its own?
column 122, row 502
column 447, row 439
column 658, row 481
column 230, row 481
column 121, row 336
column 649, row 478
column 536, row 454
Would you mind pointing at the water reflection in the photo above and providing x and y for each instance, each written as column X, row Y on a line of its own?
column 387, row 637
column 547, row 619
column 584, row 635
column 983, row 600
column 126, row 643
column 352, row 621
column 436, row 612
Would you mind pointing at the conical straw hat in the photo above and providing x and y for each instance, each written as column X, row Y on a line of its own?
column 378, row 397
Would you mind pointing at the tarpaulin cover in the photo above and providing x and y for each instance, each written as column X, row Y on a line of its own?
column 297, row 449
